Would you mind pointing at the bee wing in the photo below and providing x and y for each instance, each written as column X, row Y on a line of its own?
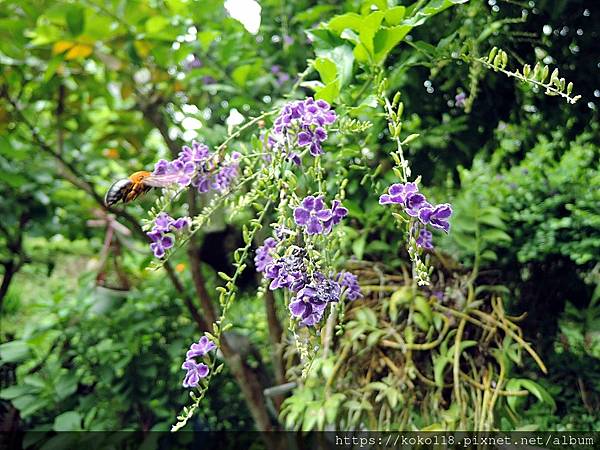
column 161, row 180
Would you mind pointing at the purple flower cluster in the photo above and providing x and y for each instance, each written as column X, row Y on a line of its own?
column 162, row 232
column 289, row 271
column 196, row 371
column 416, row 205
column 349, row 281
column 312, row 215
column 198, row 166
column 310, row 301
column 302, row 123
column 313, row 292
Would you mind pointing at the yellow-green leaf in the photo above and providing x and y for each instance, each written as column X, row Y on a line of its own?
column 79, row 51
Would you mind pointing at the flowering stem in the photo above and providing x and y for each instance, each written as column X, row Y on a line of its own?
column 403, row 164
column 550, row 89
column 240, row 255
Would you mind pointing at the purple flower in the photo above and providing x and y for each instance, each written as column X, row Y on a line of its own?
column 350, row 282
column 416, row 205
column 207, row 79
column 198, row 166
column 338, row 212
column 312, row 139
column 289, row 271
column 407, row 195
column 194, row 373
column 160, row 235
column 397, row 193
column 264, row 254
column 161, row 244
column 228, row 172
column 436, row 216
column 310, row 301
column 301, row 123
column 312, row 215
column 459, row 99
column 424, row 239
column 181, row 223
column 200, row 348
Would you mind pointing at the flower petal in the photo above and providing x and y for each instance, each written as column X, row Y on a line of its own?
column 314, row 226
column 301, row 215
column 309, row 202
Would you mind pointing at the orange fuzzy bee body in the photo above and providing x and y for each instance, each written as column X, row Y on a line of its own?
column 138, row 183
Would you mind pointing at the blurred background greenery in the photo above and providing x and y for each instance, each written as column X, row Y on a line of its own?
column 93, row 91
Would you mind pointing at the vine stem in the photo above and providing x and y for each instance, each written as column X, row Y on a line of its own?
column 519, row 76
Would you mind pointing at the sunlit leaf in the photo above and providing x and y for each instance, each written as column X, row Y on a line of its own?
column 79, row 51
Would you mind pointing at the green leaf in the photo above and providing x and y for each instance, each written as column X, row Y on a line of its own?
column 420, row 321
column 387, row 38
column 465, row 242
column 537, row 390
column 177, row 6
column 394, row 16
column 329, row 92
column 431, row 9
column 463, row 346
column 439, row 365
column 311, row 416
column 67, row 421
column 327, row 69
column 495, row 235
column 13, row 392
column 206, row 38
column 369, row 27
column 75, row 20
column 156, row 24
column 28, row 404
column 349, row 20
column 489, row 255
column 343, row 58
column 65, row 386
column 13, row 179
column 14, row 351
column 423, row 307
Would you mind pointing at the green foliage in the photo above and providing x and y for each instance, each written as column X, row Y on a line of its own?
column 115, row 363
column 580, row 328
column 546, row 198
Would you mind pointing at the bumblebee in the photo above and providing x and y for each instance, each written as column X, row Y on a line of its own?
column 138, row 183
